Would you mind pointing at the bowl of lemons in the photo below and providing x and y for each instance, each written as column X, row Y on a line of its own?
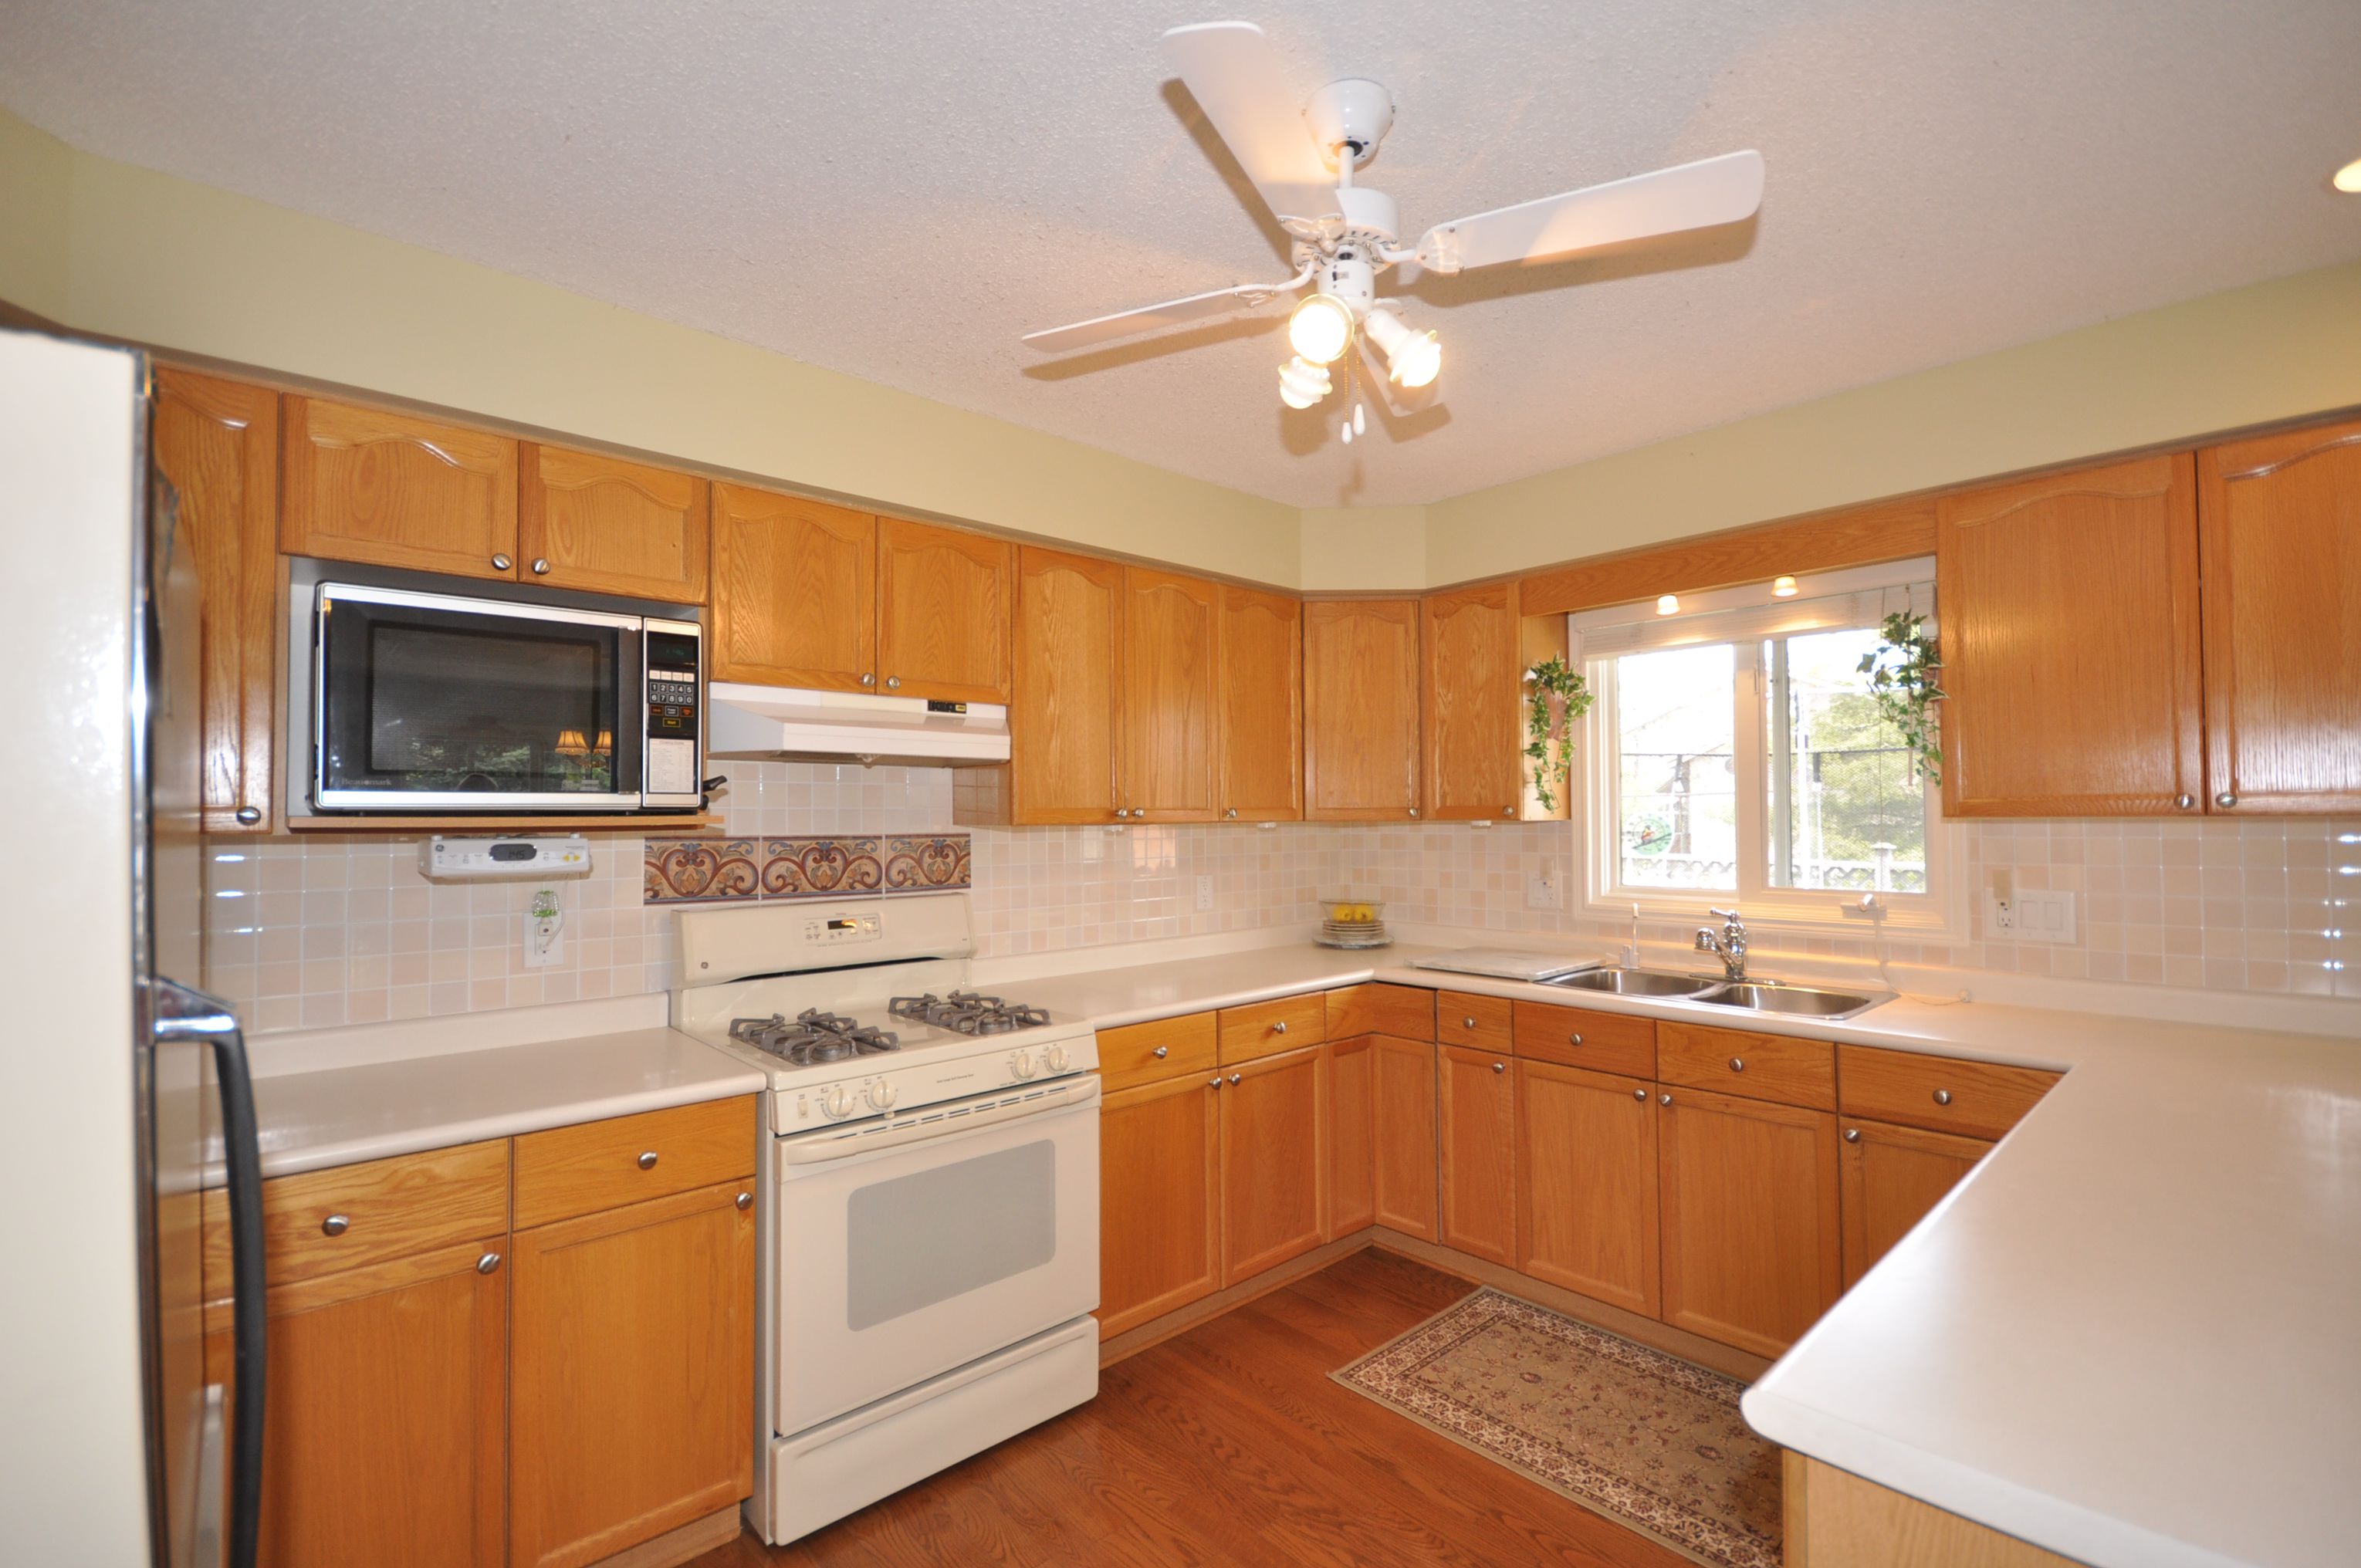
column 1349, row 920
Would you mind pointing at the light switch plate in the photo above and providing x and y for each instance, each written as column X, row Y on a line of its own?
column 2031, row 914
column 1205, row 893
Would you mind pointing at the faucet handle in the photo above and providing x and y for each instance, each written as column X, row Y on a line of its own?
column 1724, row 913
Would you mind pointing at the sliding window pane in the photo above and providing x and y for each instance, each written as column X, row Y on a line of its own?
column 1845, row 808
column 1676, row 796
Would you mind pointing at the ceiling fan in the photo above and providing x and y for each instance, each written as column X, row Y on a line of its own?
column 1301, row 153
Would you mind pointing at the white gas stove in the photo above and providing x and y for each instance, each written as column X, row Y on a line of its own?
column 930, row 1254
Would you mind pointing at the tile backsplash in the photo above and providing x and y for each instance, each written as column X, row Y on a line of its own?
column 323, row 930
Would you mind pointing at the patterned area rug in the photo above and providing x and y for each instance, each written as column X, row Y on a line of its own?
column 1641, row 1437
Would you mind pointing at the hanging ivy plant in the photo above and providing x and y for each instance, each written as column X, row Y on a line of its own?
column 1556, row 695
column 1902, row 679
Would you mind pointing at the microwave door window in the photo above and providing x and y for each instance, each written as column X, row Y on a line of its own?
column 427, row 703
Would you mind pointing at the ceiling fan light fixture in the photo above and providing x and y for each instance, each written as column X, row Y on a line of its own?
column 1302, row 383
column 1413, row 359
column 1320, row 329
column 2348, row 179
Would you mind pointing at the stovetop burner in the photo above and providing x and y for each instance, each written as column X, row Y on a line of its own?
column 966, row 1013
column 814, row 1038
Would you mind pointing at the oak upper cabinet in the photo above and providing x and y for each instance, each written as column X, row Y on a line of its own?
column 1586, row 1166
column 1360, row 710
column 1160, row 1193
column 1889, row 1178
column 1401, row 1136
column 217, row 443
column 791, row 578
column 605, row 526
column 1274, row 1155
column 1477, row 1147
column 392, row 490
column 1474, row 766
column 1352, row 1124
column 1065, row 717
column 1748, row 1189
column 1171, row 723
column 2281, row 541
column 942, row 612
column 632, row 1372
column 2070, row 633
column 1261, row 698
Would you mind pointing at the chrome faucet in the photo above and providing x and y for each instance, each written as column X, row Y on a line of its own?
column 1730, row 946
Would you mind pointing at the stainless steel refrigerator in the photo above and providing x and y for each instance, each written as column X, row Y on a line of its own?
column 115, row 1448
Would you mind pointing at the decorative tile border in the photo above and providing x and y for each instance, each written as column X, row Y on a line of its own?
column 701, row 870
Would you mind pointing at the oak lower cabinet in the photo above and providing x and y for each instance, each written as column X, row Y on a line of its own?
column 1586, row 1181
column 1475, row 1145
column 1748, row 1197
column 1403, row 1177
column 1159, row 1197
column 632, row 1374
column 1275, row 1136
column 1891, row 1176
column 1352, row 1126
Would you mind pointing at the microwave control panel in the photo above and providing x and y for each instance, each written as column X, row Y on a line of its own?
column 674, row 664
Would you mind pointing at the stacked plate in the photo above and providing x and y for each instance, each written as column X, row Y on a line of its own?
column 1352, row 923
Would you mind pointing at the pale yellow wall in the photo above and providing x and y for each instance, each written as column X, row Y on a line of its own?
column 1349, row 548
column 186, row 266
column 2272, row 351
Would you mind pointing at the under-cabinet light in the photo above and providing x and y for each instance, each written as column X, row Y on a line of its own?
column 1668, row 604
column 1783, row 587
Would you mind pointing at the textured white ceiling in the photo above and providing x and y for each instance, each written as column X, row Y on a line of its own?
column 899, row 191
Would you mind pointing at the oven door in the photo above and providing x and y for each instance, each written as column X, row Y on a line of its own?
column 905, row 1262
column 429, row 702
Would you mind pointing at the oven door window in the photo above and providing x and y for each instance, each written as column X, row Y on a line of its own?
column 418, row 701
column 925, row 1237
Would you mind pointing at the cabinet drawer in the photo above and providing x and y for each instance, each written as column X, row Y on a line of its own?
column 1479, row 1023
column 1942, row 1094
column 1738, row 1061
column 1405, row 1011
column 1268, row 1027
column 1576, row 1037
column 1160, row 1048
column 326, row 1220
column 603, row 1165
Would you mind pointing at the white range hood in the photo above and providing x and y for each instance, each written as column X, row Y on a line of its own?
column 776, row 723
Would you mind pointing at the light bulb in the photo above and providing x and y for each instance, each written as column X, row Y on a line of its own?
column 1302, row 383
column 1783, row 587
column 1413, row 357
column 2348, row 179
column 1667, row 604
column 1320, row 329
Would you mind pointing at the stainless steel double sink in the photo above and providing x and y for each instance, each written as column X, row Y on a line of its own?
column 1743, row 996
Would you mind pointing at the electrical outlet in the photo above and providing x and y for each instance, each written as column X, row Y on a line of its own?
column 2032, row 915
column 545, row 931
column 1540, row 889
column 1205, row 893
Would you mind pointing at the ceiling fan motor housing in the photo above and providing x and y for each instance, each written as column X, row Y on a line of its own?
column 1352, row 115
column 1370, row 216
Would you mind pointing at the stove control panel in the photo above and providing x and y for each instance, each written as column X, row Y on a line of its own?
column 838, row 931
column 860, row 1094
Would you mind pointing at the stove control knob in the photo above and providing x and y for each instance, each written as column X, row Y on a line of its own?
column 1054, row 1058
column 1021, row 1064
column 836, row 1099
column 879, row 1094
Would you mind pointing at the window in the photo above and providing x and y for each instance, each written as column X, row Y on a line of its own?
column 1736, row 756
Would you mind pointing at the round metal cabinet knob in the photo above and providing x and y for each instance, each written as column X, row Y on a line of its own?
column 869, row 680
column 745, row 1200
column 893, row 683
column 1467, row 1022
column 1215, row 1081
column 1507, row 811
column 541, row 568
column 1413, row 811
column 1573, row 1039
column 1499, row 1067
column 1640, row 1095
column 1738, row 1064
column 1942, row 1097
column 487, row 1263
column 248, row 816
column 2226, row 798
column 1231, row 814
column 1161, row 1052
column 1280, row 1027
column 1234, row 1077
column 1853, row 1134
column 1663, row 1100
column 2186, row 802
column 648, row 1160
column 502, row 563
column 334, row 1225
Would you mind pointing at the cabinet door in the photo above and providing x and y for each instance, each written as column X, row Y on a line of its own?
column 1360, row 710
column 942, row 612
column 2280, row 535
column 1476, row 1104
column 1274, row 1160
column 386, row 1436
column 605, row 526
column 1587, row 1183
column 1065, row 718
column 364, row 485
column 1262, row 705
column 1474, row 765
column 2071, row 644
column 632, row 1385
column 1748, row 1196
column 1159, row 1199
column 1401, row 1137
column 792, row 582
column 217, row 443
column 1352, row 1173
column 1170, row 723
column 1890, row 1178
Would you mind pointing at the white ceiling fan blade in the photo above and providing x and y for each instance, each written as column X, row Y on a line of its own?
column 1692, row 196
column 1237, row 78
column 1150, row 318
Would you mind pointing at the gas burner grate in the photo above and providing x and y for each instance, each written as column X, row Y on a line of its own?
column 813, row 1038
column 966, row 1013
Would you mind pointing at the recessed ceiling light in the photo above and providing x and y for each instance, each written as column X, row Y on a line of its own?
column 2348, row 179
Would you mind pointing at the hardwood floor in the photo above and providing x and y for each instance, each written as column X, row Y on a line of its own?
column 1229, row 1447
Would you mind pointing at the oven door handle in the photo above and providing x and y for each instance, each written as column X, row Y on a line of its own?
column 928, row 1126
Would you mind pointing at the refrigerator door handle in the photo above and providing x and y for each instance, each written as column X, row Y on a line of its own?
column 183, row 1012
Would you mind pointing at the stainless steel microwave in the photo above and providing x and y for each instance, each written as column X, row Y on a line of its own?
column 421, row 700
